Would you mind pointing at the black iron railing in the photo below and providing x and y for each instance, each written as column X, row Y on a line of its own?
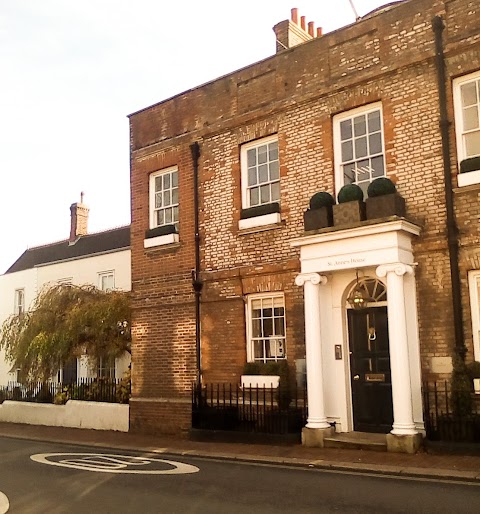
column 443, row 421
column 262, row 410
column 86, row 389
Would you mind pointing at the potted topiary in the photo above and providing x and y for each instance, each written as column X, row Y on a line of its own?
column 350, row 207
column 319, row 214
column 383, row 199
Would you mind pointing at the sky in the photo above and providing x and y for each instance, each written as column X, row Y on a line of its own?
column 71, row 73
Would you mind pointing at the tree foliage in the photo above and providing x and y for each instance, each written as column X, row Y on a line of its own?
column 67, row 321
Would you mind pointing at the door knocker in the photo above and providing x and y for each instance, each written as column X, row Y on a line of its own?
column 372, row 335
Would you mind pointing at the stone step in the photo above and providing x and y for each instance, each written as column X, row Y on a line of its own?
column 357, row 441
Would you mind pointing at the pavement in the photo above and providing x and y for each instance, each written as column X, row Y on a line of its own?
column 433, row 463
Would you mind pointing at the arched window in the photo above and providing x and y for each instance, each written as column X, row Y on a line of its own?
column 367, row 291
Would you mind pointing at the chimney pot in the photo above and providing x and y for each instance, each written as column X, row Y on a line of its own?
column 319, row 31
column 295, row 15
column 311, row 28
column 302, row 22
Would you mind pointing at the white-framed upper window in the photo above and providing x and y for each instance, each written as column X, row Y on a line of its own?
column 266, row 328
column 106, row 280
column 260, row 172
column 466, row 98
column 19, row 305
column 359, row 146
column 474, row 289
column 164, row 198
column 106, row 367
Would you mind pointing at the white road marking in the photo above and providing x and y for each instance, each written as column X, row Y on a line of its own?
column 4, row 503
column 107, row 463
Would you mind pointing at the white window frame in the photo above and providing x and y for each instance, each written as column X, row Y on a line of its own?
column 19, row 301
column 474, row 290
column 337, row 142
column 152, row 195
column 107, row 364
column 279, row 355
column 472, row 177
column 264, row 220
column 105, row 275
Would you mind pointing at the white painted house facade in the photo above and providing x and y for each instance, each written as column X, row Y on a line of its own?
column 101, row 259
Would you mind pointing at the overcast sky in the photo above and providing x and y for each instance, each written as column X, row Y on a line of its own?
column 71, row 72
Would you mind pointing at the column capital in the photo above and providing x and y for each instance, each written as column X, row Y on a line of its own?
column 397, row 267
column 314, row 278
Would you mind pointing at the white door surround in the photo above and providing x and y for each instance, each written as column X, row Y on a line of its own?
column 330, row 260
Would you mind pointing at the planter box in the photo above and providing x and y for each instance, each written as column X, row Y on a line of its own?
column 476, row 385
column 260, row 381
column 348, row 213
column 314, row 219
column 385, row 206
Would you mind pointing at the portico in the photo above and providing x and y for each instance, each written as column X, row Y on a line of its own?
column 356, row 362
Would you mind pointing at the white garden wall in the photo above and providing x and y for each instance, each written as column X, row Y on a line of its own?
column 75, row 414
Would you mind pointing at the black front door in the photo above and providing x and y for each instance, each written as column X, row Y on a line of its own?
column 370, row 370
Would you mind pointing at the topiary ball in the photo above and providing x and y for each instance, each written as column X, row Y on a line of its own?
column 350, row 193
column 381, row 186
column 321, row 199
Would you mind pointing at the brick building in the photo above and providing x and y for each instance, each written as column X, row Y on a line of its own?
column 397, row 95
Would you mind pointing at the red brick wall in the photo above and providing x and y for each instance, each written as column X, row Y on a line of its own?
column 387, row 58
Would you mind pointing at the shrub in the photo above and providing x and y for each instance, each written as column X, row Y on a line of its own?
column 252, row 368
column 61, row 398
column 321, row 199
column 473, row 369
column 381, row 186
column 44, row 395
column 461, row 396
column 124, row 387
column 350, row 193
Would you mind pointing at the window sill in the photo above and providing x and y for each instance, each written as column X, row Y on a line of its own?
column 468, row 178
column 260, row 221
column 167, row 239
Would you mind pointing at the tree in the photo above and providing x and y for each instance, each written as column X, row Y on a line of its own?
column 67, row 321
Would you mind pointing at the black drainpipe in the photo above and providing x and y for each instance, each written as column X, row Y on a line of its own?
column 196, row 282
column 452, row 229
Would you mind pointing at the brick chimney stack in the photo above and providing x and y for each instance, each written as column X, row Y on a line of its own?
column 78, row 220
column 290, row 33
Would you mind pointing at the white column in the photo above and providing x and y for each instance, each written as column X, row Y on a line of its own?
column 403, row 423
column 313, row 343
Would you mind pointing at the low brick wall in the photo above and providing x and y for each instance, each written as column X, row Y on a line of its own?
column 74, row 414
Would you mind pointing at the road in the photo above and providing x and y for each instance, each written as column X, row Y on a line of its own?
column 39, row 478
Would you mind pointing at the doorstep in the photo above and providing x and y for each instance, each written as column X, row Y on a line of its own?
column 357, row 441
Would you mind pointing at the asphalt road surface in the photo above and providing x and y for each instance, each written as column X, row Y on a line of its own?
column 56, row 478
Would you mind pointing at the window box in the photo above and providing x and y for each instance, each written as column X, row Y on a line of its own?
column 471, row 164
column 160, row 231
column 160, row 240
column 260, row 210
column 469, row 172
column 384, row 206
column 261, row 215
column 260, row 381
